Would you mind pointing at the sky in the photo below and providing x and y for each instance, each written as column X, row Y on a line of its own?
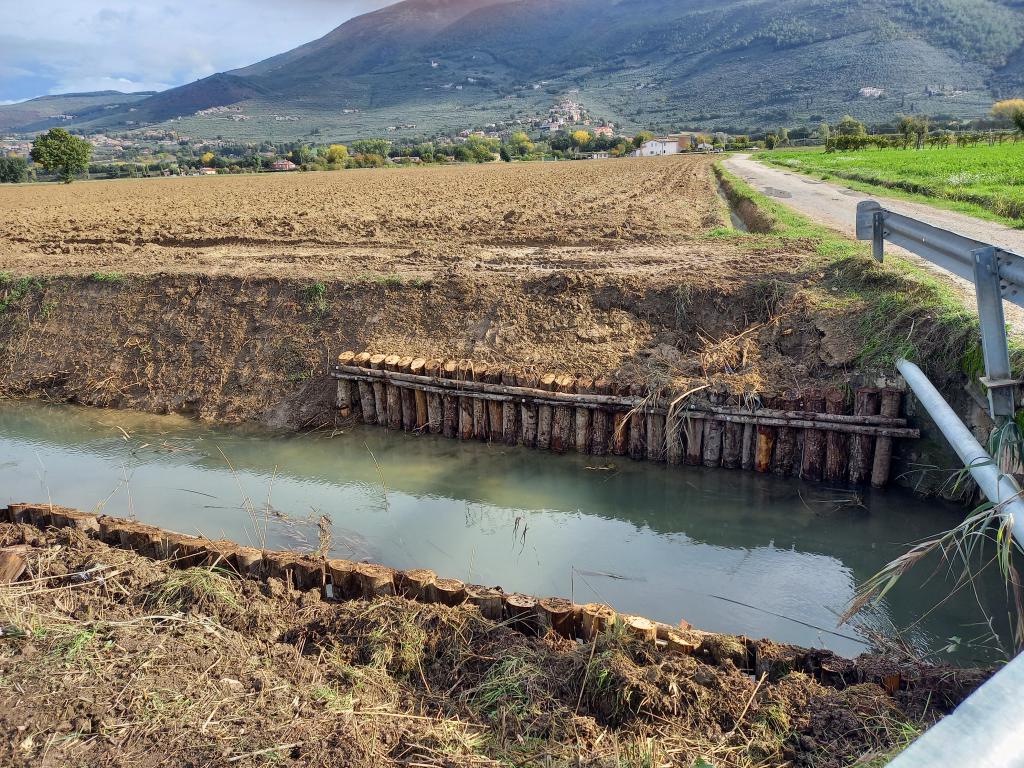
column 67, row 46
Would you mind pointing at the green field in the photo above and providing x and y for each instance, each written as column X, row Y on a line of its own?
column 983, row 180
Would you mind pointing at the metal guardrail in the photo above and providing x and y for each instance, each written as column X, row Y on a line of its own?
column 987, row 729
column 997, row 274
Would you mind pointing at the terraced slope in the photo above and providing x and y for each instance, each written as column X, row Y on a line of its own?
column 661, row 63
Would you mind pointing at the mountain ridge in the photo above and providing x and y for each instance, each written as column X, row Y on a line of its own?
column 445, row 65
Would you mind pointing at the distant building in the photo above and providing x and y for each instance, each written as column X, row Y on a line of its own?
column 207, row 171
column 667, row 145
column 604, row 130
column 283, row 165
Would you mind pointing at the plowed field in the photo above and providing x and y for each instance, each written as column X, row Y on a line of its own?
column 636, row 214
column 595, row 267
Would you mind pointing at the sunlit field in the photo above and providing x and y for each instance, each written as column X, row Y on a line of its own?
column 988, row 177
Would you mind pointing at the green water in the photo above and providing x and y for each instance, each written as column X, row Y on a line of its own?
column 726, row 550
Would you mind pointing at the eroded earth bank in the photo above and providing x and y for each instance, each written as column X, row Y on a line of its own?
column 228, row 298
column 113, row 658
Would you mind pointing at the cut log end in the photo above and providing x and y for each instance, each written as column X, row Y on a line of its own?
column 374, row 580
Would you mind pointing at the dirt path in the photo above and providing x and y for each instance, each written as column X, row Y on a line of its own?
column 836, row 207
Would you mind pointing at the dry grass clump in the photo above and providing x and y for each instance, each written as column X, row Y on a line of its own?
column 107, row 658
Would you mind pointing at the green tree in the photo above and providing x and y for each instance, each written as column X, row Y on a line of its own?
column 519, row 144
column 481, row 149
column 336, row 153
column 641, row 137
column 912, row 130
column 371, row 147
column 850, row 126
column 61, row 153
column 13, row 170
column 561, row 142
column 824, row 132
column 1011, row 109
column 303, row 155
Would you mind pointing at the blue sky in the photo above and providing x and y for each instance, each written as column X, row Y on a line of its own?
column 63, row 46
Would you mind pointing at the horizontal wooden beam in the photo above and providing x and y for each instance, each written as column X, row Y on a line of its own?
column 877, row 426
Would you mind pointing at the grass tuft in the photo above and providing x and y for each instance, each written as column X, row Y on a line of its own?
column 507, row 690
column 316, row 299
column 181, row 590
column 107, row 277
column 13, row 290
column 893, row 310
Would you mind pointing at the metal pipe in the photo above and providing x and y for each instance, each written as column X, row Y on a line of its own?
column 985, row 730
column 999, row 487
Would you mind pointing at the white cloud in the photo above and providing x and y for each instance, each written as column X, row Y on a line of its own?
column 80, row 45
column 123, row 84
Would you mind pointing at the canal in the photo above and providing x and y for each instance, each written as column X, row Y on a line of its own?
column 728, row 551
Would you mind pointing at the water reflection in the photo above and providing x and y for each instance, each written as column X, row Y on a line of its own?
column 729, row 551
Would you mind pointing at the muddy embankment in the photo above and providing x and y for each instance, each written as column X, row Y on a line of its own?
column 112, row 657
column 233, row 349
column 877, row 313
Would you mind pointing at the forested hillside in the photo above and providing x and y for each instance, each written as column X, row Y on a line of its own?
column 660, row 63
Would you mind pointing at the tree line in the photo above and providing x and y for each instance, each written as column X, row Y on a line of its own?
column 56, row 151
column 910, row 132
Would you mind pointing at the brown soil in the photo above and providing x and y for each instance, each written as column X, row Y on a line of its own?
column 108, row 658
column 410, row 221
column 227, row 297
column 235, row 349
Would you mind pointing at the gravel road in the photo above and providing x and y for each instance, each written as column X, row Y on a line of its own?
column 836, row 207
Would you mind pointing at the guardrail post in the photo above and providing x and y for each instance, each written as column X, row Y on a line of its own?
column 998, row 378
column 878, row 236
column 997, row 274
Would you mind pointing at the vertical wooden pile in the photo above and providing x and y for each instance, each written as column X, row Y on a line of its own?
column 816, row 435
column 812, row 462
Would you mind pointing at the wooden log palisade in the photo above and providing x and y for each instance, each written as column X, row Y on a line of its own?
column 820, row 435
column 338, row 580
column 341, row 580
